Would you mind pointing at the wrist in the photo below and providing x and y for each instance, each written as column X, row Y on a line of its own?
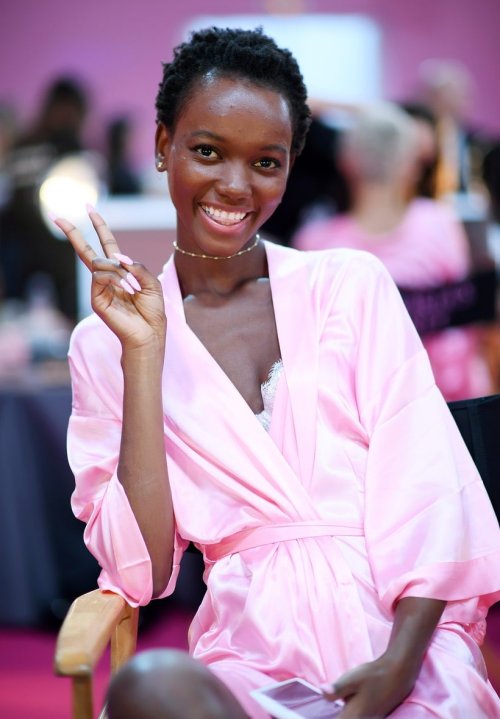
column 146, row 357
column 404, row 667
column 403, row 659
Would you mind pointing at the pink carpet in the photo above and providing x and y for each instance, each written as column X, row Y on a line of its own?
column 28, row 687
column 29, row 690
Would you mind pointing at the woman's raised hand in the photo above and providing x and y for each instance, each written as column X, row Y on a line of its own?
column 124, row 294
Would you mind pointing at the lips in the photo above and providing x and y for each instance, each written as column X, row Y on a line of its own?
column 223, row 217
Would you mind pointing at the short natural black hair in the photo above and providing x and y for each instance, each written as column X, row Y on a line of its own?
column 228, row 52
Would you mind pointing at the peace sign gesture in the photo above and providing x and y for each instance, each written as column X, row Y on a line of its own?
column 124, row 294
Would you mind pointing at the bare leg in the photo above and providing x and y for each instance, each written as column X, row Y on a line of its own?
column 169, row 684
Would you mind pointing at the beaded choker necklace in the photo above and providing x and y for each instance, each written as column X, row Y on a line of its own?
column 217, row 257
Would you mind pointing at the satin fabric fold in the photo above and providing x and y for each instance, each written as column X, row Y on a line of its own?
column 359, row 437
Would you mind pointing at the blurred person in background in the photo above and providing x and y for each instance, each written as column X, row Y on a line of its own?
column 27, row 247
column 419, row 239
column 446, row 87
column 316, row 186
column 490, row 173
column 8, row 135
column 425, row 124
column 122, row 179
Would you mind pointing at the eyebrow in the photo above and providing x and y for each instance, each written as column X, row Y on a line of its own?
column 218, row 138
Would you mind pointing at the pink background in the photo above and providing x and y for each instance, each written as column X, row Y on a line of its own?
column 117, row 48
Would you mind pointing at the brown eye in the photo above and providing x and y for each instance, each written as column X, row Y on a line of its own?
column 206, row 151
column 268, row 163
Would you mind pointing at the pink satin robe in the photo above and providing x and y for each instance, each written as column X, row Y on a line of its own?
column 362, row 491
column 428, row 248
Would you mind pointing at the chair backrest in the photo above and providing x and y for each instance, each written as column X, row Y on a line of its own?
column 468, row 301
column 478, row 420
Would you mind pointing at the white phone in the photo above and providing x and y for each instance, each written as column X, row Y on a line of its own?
column 296, row 699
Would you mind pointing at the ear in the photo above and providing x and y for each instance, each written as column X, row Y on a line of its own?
column 162, row 146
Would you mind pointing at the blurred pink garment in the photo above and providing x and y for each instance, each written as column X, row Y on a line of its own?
column 361, row 492
column 15, row 351
column 428, row 248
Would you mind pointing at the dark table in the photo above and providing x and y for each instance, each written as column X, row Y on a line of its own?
column 44, row 561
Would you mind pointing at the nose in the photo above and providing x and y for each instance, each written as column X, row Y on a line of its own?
column 234, row 180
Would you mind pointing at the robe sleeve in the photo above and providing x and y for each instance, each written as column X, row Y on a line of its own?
column 429, row 524
column 111, row 534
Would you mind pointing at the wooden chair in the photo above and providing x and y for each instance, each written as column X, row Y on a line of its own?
column 98, row 619
column 94, row 621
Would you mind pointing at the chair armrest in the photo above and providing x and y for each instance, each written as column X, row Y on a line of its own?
column 93, row 621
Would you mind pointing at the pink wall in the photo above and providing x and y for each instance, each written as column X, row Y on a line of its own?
column 117, row 47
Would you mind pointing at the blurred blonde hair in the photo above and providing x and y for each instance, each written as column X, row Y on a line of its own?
column 381, row 144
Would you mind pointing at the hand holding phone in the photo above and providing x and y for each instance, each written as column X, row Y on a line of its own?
column 296, row 699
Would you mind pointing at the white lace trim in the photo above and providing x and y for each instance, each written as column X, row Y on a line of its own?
column 268, row 389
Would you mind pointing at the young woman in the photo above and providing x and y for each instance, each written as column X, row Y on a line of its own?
column 277, row 409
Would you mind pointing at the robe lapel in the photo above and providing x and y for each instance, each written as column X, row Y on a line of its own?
column 197, row 355
column 218, row 425
column 293, row 308
column 188, row 359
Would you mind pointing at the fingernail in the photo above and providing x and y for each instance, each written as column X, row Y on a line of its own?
column 126, row 286
column 123, row 258
column 52, row 216
column 328, row 688
column 90, row 208
column 133, row 282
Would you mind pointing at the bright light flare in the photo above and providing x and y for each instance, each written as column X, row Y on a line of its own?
column 70, row 184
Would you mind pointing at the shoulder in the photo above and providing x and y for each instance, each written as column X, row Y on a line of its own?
column 318, row 234
column 329, row 270
column 333, row 256
column 433, row 210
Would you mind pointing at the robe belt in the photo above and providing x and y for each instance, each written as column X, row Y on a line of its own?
column 272, row 533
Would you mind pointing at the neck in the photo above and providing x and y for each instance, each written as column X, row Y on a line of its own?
column 217, row 258
column 379, row 207
column 221, row 278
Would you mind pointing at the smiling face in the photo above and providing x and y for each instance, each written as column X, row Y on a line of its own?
column 227, row 160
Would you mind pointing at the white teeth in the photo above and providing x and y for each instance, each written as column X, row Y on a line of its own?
column 222, row 216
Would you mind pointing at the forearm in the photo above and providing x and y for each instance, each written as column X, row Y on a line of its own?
column 415, row 620
column 142, row 468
